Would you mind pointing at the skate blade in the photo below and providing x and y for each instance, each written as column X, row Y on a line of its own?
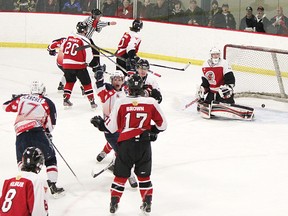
column 58, row 195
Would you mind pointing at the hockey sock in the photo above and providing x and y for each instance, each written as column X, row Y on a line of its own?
column 118, row 186
column 145, row 186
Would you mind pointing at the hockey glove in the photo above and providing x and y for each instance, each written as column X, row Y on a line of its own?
column 157, row 95
column 98, row 122
column 225, row 91
column 133, row 61
column 51, row 52
column 98, row 71
column 147, row 89
column 49, row 136
column 153, row 136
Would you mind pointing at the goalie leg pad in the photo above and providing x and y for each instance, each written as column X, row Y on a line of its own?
column 231, row 111
column 205, row 110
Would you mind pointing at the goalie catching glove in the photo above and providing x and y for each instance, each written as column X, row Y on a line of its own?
column 225, row 91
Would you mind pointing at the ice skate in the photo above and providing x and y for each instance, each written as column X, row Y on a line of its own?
column 146, row 205
column 55, row 191
column 132, row 181
column 114, row 204
column 67, row 103
column 60, row 87
column 93, row 104
column 101, row 156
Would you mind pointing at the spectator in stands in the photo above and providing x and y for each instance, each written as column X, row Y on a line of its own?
column 195, row 15
column 87, row 6
column 25, row 5
column 7, row 5
column 248, row 22
column 262, row 21
column 177, row 15
column 72, row 7
column 146, row 10
column 280, row 22
column 225, row 19
column 109, row 8
column 214, row 10
column 161, row 11
column 49, row 6
column 126, row 10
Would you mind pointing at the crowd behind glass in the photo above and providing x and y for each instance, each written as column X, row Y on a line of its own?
column 256, row 16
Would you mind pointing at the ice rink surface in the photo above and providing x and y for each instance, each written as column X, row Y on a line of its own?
column 200, row 167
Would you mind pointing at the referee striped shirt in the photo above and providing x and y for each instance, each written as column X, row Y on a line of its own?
column 89, row 21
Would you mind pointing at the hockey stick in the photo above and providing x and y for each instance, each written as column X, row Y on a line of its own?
column 172, row 68
column 64, row 160
column 191, row 103
column 94, row 175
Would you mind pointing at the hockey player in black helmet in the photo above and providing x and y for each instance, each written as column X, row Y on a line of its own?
column 128, row 48
column 151, row 87
column 27, row 189
column 81, row 27
column 95, row 24
column 137, row 25
column 145, row 121
column 32, row 160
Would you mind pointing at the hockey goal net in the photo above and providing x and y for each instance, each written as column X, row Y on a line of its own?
column 259, row 71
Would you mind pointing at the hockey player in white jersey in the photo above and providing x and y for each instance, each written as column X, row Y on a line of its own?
column 216, row 90
column 151, row 86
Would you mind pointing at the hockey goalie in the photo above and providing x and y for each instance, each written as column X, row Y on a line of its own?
column 216, row 97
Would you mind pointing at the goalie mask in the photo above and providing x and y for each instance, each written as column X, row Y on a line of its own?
column 215, row 55
column 32, row 160
column 37, row 88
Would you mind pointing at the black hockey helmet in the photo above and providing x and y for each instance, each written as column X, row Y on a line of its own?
column 135, row 85
column 81, row 27
column 143, row 63
column 137, row 25
column 32, row 160
column 96, row 12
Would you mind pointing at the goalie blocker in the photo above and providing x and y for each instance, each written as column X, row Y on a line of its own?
column 224, row 110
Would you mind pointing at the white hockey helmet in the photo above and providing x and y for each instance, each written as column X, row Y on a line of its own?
column 37, row 88
column 213, row 51
column 117, row 73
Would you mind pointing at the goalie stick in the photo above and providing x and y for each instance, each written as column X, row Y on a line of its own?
column 94, row 175
column 191, row 103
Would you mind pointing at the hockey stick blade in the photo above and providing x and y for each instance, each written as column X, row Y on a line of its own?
column 94, row 175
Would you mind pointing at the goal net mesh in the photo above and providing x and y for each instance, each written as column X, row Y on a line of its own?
column 259, row 71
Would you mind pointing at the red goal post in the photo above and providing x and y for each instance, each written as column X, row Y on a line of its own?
column 259, row 71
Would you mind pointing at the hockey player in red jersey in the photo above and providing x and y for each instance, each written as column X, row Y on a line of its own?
column 151, row 87
column 95, row 24
column 25, row 194
column 216, row 91
column 36, row 119
column 128, row 47
column 75, row 65
column 132, row 117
